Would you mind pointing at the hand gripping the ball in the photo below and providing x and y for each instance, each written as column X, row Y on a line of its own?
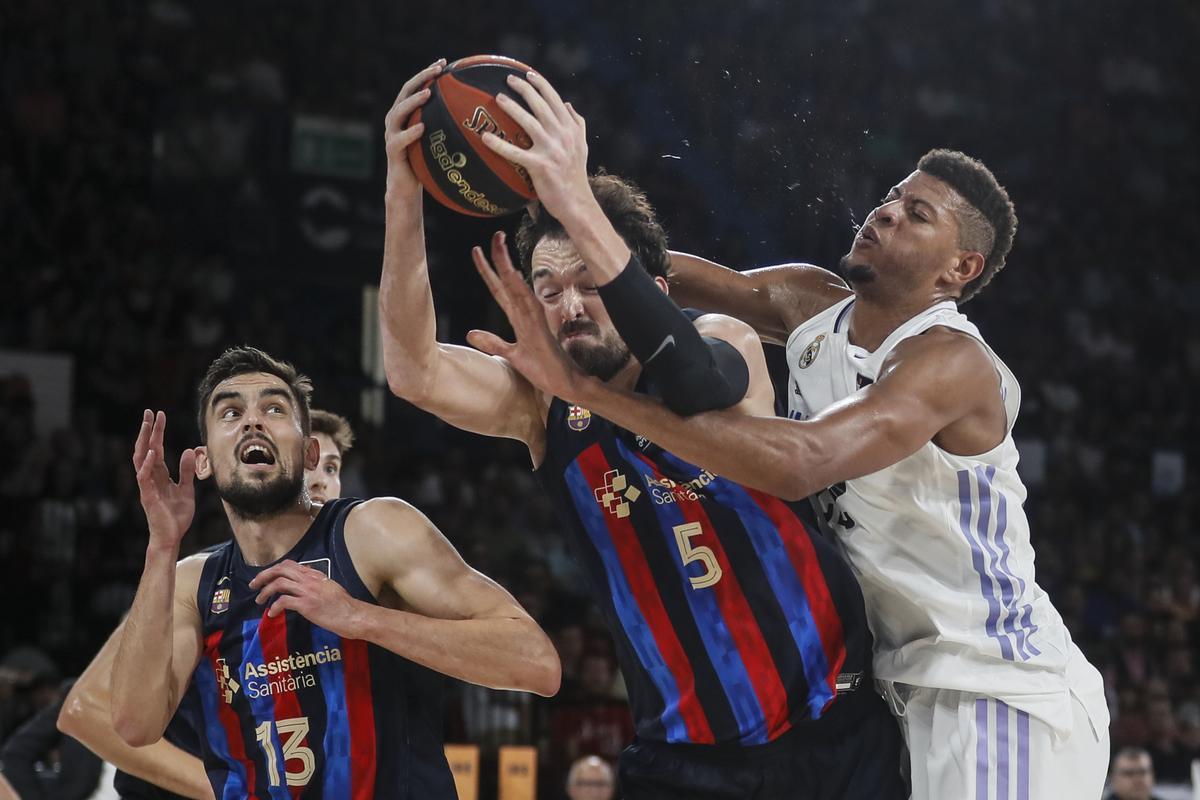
column 557, row 159
column 402, row 185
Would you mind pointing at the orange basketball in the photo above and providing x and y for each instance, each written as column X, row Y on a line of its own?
column 450, row 159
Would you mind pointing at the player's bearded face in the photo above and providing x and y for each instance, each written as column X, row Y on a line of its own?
column 258, row 494
column 598, row 353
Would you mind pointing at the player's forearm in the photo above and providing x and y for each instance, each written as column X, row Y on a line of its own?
column 85, row 715
column 408, row 324
column 500, row 653
column 596, row 240
column 777, row 456
column 140, row 685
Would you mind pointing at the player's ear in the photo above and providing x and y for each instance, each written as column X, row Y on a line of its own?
column 203, row 465
column 662, row 284
column 312, row 452
column 967, row 268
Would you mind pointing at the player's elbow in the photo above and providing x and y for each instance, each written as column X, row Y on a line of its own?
column 71, row 717
column 133, row 729
column 544, row 669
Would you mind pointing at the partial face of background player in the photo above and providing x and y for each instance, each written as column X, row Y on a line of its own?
column 574, row 311
column 907, row 241
column 324, row 481
column 256, row 449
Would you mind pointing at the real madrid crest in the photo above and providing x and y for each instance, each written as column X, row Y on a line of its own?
column 220, row 601
column 810, row 353
column 578, row 418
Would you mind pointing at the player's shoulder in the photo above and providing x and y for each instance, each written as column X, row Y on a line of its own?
column 727, row 328
column 387, row 521
column 807, row 289
column 949, row 353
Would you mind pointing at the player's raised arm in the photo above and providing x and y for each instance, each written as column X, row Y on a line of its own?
column 86, row 716
column 161, row 643
column 455, row 620
column 773, row 300
column 462, row 386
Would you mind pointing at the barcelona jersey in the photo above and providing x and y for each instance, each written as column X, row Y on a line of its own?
column 289, row 709
column 735, row 620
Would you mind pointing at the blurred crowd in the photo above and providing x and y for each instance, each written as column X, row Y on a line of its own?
column 149, row 218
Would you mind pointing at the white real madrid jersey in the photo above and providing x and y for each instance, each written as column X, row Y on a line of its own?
column 940, row 542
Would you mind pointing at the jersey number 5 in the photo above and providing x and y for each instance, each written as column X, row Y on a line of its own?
column 703, row 554
column 292, row 731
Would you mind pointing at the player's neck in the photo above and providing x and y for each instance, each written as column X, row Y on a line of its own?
column 872, row 321
column 263, row 540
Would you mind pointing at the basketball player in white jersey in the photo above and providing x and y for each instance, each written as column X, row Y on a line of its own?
column 901, row 420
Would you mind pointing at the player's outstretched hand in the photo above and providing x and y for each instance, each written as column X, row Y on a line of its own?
column 535, row 354
column 402, row 184
column 169, row 506
column 557, row 159
column 309, row 593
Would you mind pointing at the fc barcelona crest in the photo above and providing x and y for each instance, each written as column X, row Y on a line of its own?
column 810, row 353
column 220, row 601
column 578, row 418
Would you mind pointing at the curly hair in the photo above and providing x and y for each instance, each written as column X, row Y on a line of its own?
column 988, row 223
column 242, row 361
column 627, row 209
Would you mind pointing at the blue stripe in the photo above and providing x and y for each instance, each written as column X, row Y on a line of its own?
column 206, row 686
column 785, row 583
column 981, row 748
column 336, row 741
column 714, row 631
column 262, row 706
column 985, row 581
column 1002, row 768
column 637, row 630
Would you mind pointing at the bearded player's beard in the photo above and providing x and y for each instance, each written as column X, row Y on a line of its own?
column 856, row 274
column 259, row 499
column 602, row 360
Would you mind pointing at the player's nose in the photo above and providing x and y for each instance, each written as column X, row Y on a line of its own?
column 572, row 305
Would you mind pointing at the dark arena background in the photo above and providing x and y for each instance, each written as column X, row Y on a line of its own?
column 178, row 177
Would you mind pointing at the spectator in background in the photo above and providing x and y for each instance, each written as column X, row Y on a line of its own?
column 591, row 778
column 1132, row 776
column 591, row 720
column 41, row 763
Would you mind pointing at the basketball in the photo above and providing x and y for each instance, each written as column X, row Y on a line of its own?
column 450, row 159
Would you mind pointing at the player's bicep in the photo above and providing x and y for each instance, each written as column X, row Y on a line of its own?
column 699, row 283
column 760, row 392
column 187, row 627
column 482, row 394
column 917, row 395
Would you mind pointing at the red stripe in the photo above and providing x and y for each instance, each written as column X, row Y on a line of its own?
column 593, row 465
column 356, row 674
column 272, row 637
column 799, row 546
column 739, row 618
column 228, row 717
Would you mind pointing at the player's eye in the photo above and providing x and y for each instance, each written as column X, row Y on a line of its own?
column 275, row 409
column 229, row 413
column 551, row 294
column 331, row 470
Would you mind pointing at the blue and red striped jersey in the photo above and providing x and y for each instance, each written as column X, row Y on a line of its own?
column 734, row 619
column 289, row 709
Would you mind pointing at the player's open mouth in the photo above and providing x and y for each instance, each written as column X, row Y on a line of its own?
column 256, row 453
column 867, row 234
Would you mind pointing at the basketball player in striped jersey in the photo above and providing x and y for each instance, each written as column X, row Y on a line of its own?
column 172, row 766
column 314, row 638
column 740, row 632
column 902, row 420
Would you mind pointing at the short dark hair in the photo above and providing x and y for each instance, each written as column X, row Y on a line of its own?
column 336, row 427
column 242, row 361
column 989, row 224
column 627, row 209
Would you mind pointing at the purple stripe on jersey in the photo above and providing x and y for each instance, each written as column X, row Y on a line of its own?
column 1022, row 755
column 1001, row 750
column 1023, row 631
column 998, row 555
column 837, row 324
column 977, row 561
column 981, row 749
